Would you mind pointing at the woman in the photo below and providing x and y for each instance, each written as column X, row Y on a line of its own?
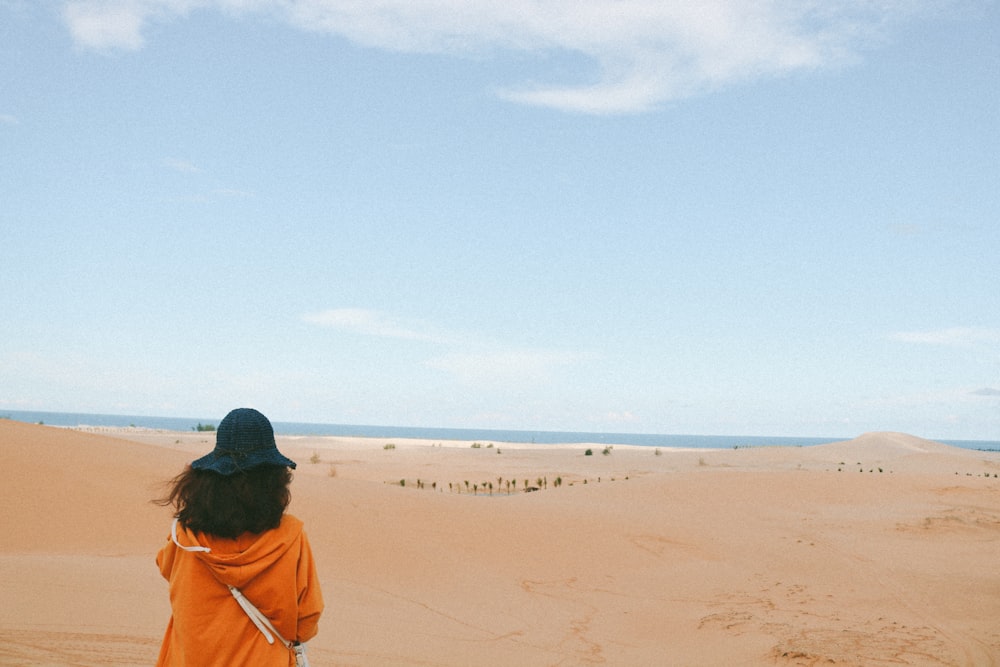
column 231, row 537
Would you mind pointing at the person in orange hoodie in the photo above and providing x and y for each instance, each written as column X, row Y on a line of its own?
column 232, row 539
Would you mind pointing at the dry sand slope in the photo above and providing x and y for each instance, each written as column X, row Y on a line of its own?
column 878, row 551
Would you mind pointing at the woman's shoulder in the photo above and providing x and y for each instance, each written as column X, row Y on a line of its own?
column 290, row 523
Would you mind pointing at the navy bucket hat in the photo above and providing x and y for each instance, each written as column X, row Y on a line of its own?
column 243, row 441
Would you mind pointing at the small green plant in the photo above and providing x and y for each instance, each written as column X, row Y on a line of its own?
column 314, row 458
column 589, row 452
column 477, row 445
column 203, row 427
column 607, row 450
column 387, row 446
column 657, row 452
column 402, row 482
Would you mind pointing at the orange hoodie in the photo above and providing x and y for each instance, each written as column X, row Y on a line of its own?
column 274, row 570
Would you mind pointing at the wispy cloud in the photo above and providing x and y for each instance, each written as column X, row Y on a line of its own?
column 615, row 417
column 636, row 55
column 182, row 166
column 374, row 323
column 470, row 359
column 233, row 193
column 502, row 366
column 8, row 119
column 954, row 336
column 114, row 24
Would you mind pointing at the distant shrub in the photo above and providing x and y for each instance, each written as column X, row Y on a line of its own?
column 607, row 450
column 388, row 446
column 589, row 452
column 203, row 427
column 314, row 458
column 477, row 445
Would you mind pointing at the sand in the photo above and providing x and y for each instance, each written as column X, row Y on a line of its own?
column 882, row 550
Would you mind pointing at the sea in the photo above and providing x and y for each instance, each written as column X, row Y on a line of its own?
column 74, row 419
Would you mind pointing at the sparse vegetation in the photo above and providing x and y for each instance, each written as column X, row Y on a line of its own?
column 499, row 484
column 203, row 427
column 314, row 458
column 607, row 450
column 589, row 452
column 387, row 446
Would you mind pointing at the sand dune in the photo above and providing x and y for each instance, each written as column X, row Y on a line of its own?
column 877, row 551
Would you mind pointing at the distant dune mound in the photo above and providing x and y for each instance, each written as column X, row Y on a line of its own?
column 888, row 447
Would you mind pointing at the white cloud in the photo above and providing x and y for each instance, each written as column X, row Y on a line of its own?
column 182, row 166
column 638, row 54
column 472, row 361
column 502, row 366
column 235, row 193
column 615, row 417
column 99, row 24
column 373, row 323
column 954, row 336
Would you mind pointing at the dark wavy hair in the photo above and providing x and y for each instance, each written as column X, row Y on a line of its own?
column 250, row 501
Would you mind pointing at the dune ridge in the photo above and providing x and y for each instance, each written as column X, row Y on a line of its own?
column 763, row 556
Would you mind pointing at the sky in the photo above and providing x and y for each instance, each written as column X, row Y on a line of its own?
column 654, row 216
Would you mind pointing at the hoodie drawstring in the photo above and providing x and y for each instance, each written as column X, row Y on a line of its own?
column 173, row 536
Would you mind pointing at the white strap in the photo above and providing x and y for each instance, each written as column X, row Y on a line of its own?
column 173, row 536
column 262, row 622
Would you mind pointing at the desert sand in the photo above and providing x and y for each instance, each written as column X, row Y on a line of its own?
column 881, row 550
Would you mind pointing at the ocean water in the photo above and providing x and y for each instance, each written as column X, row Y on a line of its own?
column 72, row 419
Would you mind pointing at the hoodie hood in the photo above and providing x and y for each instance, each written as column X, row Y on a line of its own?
column 235, row 562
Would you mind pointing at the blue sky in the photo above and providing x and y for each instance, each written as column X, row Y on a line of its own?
column 659, row 217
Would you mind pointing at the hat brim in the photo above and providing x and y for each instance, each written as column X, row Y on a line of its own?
column 228, row 463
